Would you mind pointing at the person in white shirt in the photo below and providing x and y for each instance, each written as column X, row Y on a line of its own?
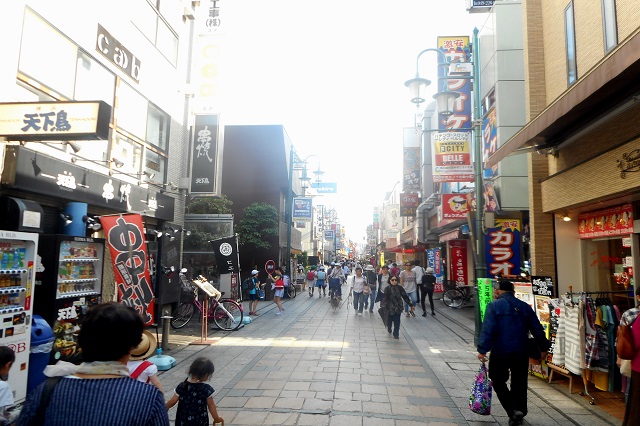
column 357, row 287
column 417, row 269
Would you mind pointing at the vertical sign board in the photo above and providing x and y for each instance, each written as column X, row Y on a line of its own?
column 458, row 263
column 485, row 295
column 126, row 240
column 457, row 49
column 434, row 260
column 302, row 209
column 409, row 202
column 411, row 159
column 502, row 248
column 489, row 141
column 204, row 154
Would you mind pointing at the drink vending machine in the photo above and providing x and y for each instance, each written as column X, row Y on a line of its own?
column 69, row 283
column 17, row 266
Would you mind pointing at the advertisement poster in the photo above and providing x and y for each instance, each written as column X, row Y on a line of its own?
column 411, row 169
column 616, row 220
column 543, row 291
column 458, row 263
column 485, row 295
column 302, row 209
column 127, row 244
column 454, row 206
column 489, row 141
column 524, row 292
column 502, row 247
column 451, row 156
column 457, row 49
column 409, row 202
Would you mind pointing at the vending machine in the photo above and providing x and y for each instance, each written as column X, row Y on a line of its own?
column 68, row 283
column 17, row 262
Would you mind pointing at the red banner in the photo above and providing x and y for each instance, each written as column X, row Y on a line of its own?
column 458, row 263
column 125, row 237
column 616, row 220
column 454, row 206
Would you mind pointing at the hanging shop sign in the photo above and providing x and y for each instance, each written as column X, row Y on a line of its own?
column 434, row 260
column 454, row 206
column 411, row 159
column 55, row 121
column 502, row 247
column 226, row 253
column 456, row 49
column 302, row 209
column 409, row 203
column 130, row 260
column 325, row 187
column 117, row 54
column 489, row 141
column 329, row 234
column 204, row 155
column 613, row 221
column 451, row 156
column 458, row 263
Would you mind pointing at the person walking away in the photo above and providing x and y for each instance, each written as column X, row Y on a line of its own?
column 427, row 285
column 394, row 270
column 408, row 282
column 335, row 280
column 254, row 296
column 393, row 298
column 7, row 358
column 505, row 332
column 311, row 280
column 321, row 281
column 419, row 271
column 194, row 396
column 99, row 391
column 278, row 285
column 372, row 282
column 383, row 282
column 346, row 271
column 357, row 286
column 632, row 409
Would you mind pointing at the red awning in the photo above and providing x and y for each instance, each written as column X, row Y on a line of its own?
column 404, row 249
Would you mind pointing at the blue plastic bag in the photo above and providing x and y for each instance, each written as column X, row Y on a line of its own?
column 480, row 398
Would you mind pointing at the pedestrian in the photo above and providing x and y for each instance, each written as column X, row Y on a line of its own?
column 141, row 369
column 372, row 282
column 427, row 285
column 408, row 282
column 393, row 298
column 278, row 285
column 632, row 409
column 7, row 358
column 254, row 295
column 346, row 271
column 419, row 271
column 394, row 270
column 383, row 282
column 335, row 280
column 311, row 280
column 357, row 290
column 99, row 391
column 195, row 397
column 321, row 281
column 505, row 332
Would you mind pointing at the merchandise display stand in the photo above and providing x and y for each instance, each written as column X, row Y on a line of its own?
column 210, row 291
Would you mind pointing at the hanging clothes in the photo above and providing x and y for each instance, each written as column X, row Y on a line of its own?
column 573, row 346
column 591, row 347
column 560, row 343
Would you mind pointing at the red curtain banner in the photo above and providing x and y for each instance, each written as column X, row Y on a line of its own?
column 125, row 237
column 458, row 263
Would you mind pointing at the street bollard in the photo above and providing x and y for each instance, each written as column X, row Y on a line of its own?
column 166, row 321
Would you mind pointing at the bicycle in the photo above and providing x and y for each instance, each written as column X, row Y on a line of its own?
column 458, row 295
column 290, row 290
column 226, row 313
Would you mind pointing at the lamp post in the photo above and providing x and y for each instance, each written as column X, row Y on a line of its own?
column 445, row 100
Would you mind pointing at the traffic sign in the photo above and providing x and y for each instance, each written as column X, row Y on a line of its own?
column 270, row 266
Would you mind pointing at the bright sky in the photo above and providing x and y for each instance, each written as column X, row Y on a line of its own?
column 333, row 73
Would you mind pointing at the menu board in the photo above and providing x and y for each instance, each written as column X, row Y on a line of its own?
column 543, row 291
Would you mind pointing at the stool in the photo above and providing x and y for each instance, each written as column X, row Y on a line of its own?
column 563, row 372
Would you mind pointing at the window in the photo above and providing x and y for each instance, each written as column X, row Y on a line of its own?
column 156, row 164
column 570, row 31
column 132, row 110
column 609, row 24
column 152, row 23
column 157, row 128
column 606, row 261
column 93, row 81
column 130, row 152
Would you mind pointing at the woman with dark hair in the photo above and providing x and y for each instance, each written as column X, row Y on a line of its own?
column 99, row 391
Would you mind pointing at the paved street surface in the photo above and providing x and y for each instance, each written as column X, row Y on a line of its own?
column 312, row 366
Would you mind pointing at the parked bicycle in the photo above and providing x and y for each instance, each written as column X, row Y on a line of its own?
column 226, row 313
column 290, row 290
column 457, row 295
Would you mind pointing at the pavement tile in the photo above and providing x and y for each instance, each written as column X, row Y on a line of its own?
column 347, row 405
column 342, row 420
column 294, row 403
column 313, row 419
column 376, row 407
column 260, row 402
column 248, row 384
column 272, row 384
column 232, row 402
column 316, row 404
column 249, row 418
column 281, row 419
column 300, row 386
column 439, row 412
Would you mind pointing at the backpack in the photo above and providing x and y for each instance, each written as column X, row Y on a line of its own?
column 246, row 283
column 311, row 276
column 322, row 275
column 286, row 280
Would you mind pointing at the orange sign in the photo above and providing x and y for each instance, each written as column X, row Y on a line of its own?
column 616, row 220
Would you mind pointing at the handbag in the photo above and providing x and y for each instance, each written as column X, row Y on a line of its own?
column 625, row 344
column 480, row 398
column 533, row 351
column 366, row 290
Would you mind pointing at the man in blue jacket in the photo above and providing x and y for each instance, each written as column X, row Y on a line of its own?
column 505, row 332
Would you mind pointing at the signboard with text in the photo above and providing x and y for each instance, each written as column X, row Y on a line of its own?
column 454, row 206
column 302, row 209
column 616, row 220
column 458, row 263
column 325, row 187
column 409, row 203
column 451, row 156
column 204, row 151
column 502, row 247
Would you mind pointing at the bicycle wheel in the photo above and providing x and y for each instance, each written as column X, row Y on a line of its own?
column 182, row 315
column 231, row 321
column 292, row 291
column 453, row 298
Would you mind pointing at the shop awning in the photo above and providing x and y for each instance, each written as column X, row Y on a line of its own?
column 402, row 248
column 607, row 85
column 451, row 235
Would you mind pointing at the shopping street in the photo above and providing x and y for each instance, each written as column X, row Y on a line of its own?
column 316, row 367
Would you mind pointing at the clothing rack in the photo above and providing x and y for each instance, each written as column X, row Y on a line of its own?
column 585, row 381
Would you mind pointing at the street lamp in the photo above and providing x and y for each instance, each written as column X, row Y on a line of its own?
column 445, row 100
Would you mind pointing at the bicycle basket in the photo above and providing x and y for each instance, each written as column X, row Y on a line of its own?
column 186, row 289
column 450, row 284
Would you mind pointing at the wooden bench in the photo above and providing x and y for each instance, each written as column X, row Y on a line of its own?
column 563, row 372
